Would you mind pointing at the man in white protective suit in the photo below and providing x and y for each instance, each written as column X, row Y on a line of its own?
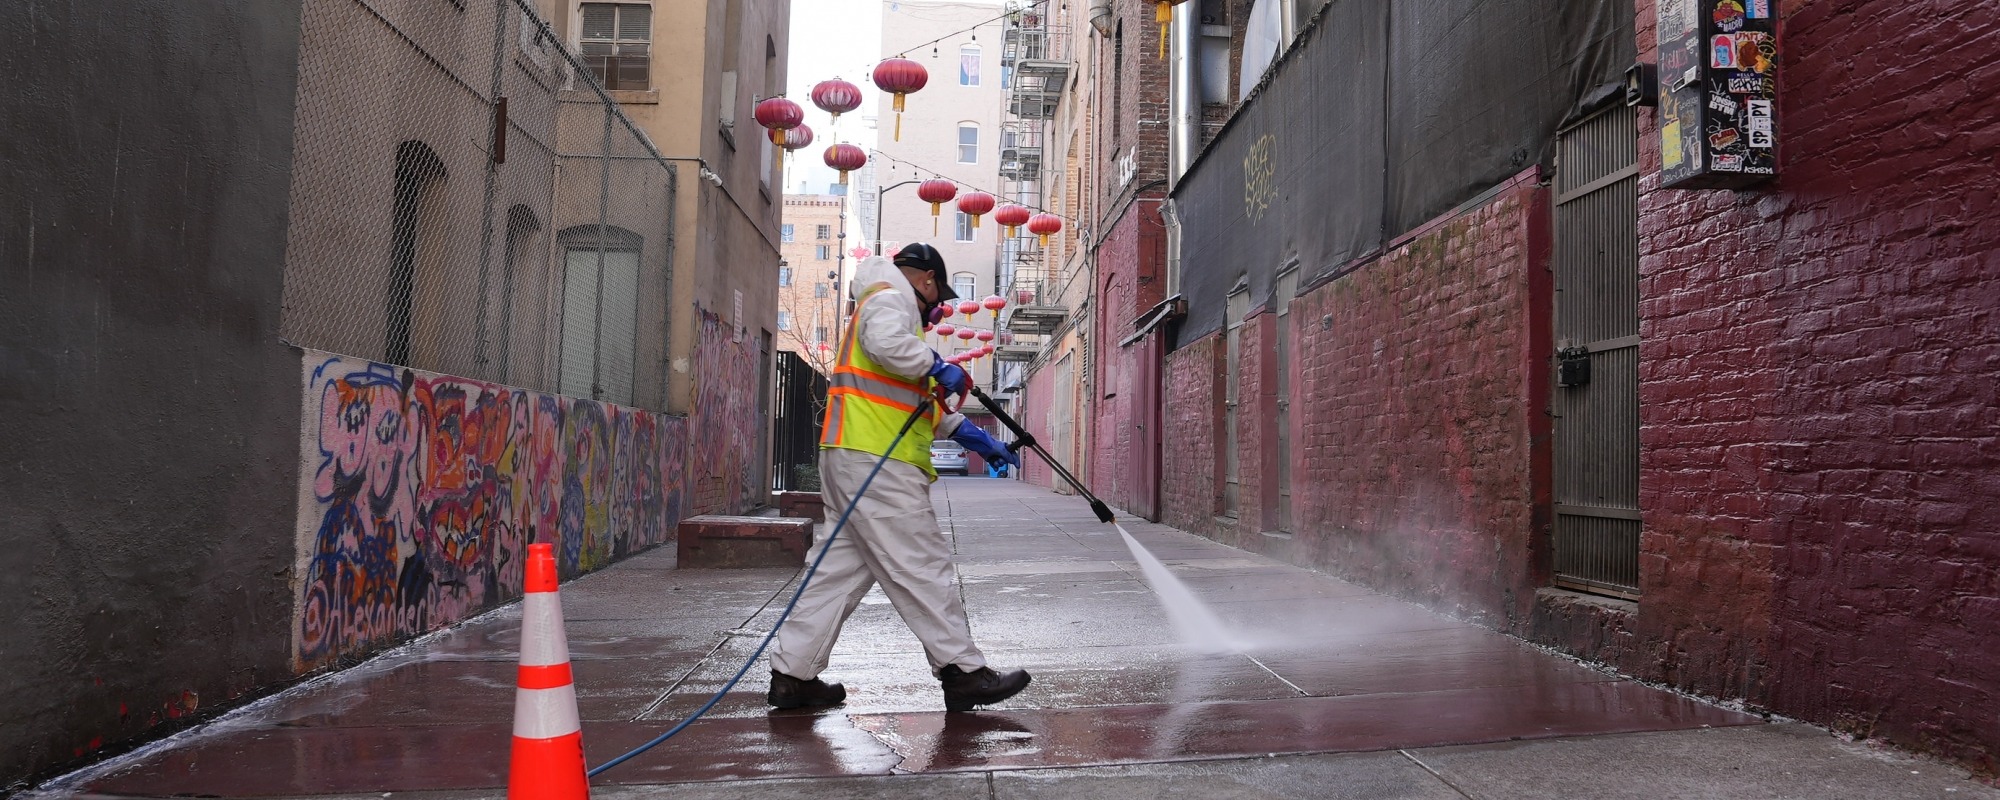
column 883, row 374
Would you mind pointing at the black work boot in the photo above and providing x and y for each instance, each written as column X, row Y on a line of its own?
column 789, row 692
column 980, row 687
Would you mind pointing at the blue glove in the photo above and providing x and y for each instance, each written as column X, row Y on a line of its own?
column 976, row 439
column 950, row 376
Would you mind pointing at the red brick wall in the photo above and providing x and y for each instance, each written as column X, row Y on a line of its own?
column 1130, row 261
column 1193, row 405
column 1414, row 464
column 1036, row 398
column 1821, row 436
column 1416, row 411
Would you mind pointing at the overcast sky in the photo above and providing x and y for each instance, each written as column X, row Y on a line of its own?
column 831, row 39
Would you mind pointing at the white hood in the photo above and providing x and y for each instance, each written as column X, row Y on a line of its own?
column 874, row 270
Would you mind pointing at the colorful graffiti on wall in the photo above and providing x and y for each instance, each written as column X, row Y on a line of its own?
column 423, row 492
column 728, row 476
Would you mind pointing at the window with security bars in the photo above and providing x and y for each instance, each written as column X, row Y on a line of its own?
column 824, row 232
column 617, row 42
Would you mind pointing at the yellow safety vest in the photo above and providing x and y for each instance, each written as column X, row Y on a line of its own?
column 866, row 405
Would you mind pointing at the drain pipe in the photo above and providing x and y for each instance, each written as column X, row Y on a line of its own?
column 1184, row 110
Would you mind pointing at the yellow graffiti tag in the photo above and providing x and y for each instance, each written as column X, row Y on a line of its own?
column 1260, row 186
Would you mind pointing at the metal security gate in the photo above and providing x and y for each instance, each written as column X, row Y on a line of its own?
column 1596, row 394
column 801, row 397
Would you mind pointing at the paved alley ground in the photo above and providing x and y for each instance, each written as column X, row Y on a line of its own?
column 1345, row 693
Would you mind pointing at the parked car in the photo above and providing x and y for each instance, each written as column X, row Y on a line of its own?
column 949, row 457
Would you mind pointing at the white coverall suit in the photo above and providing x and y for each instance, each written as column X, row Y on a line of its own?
column 893, row 536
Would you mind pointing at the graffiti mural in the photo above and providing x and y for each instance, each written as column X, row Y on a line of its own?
column 729, row 478
column 423, row 491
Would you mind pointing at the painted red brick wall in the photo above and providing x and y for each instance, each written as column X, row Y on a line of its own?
column 1036, row 397
column 1818, row 392
column 1130, row 260
column 1416, row 411
column 1193, row 402
column 1414, row 465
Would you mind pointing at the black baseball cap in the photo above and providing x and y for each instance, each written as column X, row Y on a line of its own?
column 917, row 255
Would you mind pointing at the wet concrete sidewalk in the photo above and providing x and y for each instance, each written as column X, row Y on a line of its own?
column 1346, row 693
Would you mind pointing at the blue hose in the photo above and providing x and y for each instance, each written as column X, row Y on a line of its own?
column 803, row 582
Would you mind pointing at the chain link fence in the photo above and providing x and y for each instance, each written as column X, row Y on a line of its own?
column 467, row 198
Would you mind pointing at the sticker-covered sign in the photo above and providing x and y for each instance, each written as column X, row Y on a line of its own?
column 1718, row 93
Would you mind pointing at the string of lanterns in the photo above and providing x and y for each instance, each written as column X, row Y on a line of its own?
column 901, row 77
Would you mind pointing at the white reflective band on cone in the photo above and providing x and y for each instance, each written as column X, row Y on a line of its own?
column 542, row 639
column 545, row 713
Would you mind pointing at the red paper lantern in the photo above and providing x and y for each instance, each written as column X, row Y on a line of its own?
column 846, row 158
column 836, row 97
column 965, row 334
column 899, row 77
column 994, row 303
column 937, row 192
column 973, row 204
column 1012, row 216
column 1044, row 225
column 984, row 336
column 968, row 308
column 779, row 115
column 798, row 136
column 945, row 329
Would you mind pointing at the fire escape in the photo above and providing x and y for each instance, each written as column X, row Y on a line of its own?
column 1035, row 61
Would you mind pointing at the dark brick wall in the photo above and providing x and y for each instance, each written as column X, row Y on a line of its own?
column 1821, row 437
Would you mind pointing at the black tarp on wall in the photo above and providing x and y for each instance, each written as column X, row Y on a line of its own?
column 1382, row 117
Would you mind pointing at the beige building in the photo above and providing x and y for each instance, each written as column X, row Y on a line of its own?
column 950, row 129
column 809, row 278
column 688, row 74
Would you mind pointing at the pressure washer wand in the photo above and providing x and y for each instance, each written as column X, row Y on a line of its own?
column 1022, row 438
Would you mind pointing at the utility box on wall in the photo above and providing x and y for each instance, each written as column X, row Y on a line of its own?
column 1718, row 66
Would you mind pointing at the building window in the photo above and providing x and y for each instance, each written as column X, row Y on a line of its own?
column 968, row 143
column 785, row 233
column 968, row 65
column 784, row 276
column 819, row 334
column 600, row 313
column 965, row 286
column 964, row 227
column 418, row 219
column 825, row 252
column 825, row 232
column 820, row 291
column 617, row 43
column 784, row 320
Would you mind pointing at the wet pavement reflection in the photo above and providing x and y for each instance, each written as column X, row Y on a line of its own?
column 1333, row 667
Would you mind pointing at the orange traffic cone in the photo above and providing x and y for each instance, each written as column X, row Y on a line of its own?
column 548, row 739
